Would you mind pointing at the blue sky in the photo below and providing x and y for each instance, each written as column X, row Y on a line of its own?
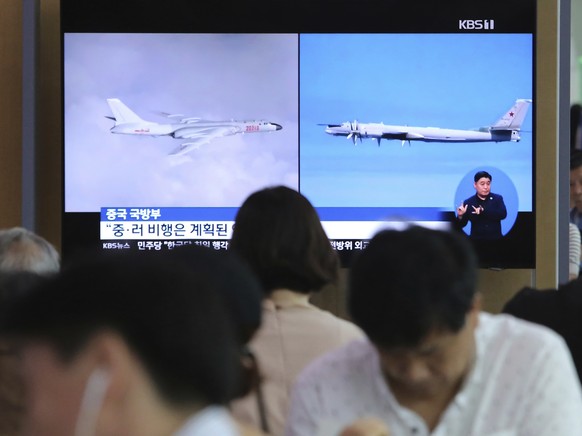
column 462, row 81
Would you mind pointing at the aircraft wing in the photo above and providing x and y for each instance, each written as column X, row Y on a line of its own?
column 395, row 135
column 187, row 147
column 181, row 118
column 206, row 131
column 200, row 136
column 402, row 135
column 186, row 120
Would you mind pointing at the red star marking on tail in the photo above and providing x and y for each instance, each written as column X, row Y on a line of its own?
column 511, row 114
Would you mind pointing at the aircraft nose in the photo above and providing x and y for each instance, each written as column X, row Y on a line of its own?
column 277, row 126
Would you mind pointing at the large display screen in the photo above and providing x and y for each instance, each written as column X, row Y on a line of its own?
column 169, row 124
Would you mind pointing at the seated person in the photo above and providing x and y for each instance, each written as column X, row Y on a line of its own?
column 23, row 250
column 242, row 295
column 125, row 345
column 435, row 364
column 25, row 258
column 278, row 233
column 11, row 389
column 559, row 309
column 575, row 213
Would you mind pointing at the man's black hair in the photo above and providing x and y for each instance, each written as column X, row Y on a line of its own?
column 408, row 283
column 236, row 283
column 242, row 296
column 173, row 319
column 556, row 308
column 481, row 174
column 575, row 159
column 575, row 125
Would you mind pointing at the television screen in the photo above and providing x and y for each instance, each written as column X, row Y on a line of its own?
column 170, row 123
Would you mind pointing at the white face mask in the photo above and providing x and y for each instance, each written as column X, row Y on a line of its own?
column 91, row 402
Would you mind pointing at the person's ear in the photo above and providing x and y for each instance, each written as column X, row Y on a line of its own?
column 113, row 357
column 475, row 309
column 477, row 302
column 110, row 380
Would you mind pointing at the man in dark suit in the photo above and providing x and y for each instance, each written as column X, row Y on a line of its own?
column 485, row 210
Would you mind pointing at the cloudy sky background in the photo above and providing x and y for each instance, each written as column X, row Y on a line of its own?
column 216, row 77
column 460, row 81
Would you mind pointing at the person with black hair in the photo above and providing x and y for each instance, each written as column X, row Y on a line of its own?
column 576, row 188
column 25, row 259
column 434, row 363
column 559, row 309
column 12, row 403
column 485, row 210
column 575, row 213
column 242, row 295
column 126, row 344
column 575, row 127
column 279, row 234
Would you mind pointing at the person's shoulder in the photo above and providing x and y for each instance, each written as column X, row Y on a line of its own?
column 499, row 323
column 472, row 198
column 506, row 342
column 343, row 326
column 338, row 363
column 571, row 291
column 508, row 329
column 546, row 304
column 531, row 302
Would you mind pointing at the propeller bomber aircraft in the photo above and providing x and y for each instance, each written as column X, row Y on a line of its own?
column 507, row 128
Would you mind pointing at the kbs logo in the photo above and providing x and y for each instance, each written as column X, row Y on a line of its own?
column 476, row 24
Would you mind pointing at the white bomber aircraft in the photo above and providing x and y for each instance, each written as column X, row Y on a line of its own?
column 507, row 128
column 197, row 130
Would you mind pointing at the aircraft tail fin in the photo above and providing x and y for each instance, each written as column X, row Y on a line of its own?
column 513, row 118
column 121, row 113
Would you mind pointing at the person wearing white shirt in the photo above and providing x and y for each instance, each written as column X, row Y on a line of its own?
column 434, row 363
column 574, row 251
column 212, row 420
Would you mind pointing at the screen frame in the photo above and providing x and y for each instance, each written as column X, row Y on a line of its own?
column 77, row 17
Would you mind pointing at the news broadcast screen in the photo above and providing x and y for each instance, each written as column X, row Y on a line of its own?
column 169, row 124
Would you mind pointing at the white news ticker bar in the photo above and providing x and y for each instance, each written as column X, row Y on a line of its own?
column 367, row 229
column 165, row 230
column 172, row 230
